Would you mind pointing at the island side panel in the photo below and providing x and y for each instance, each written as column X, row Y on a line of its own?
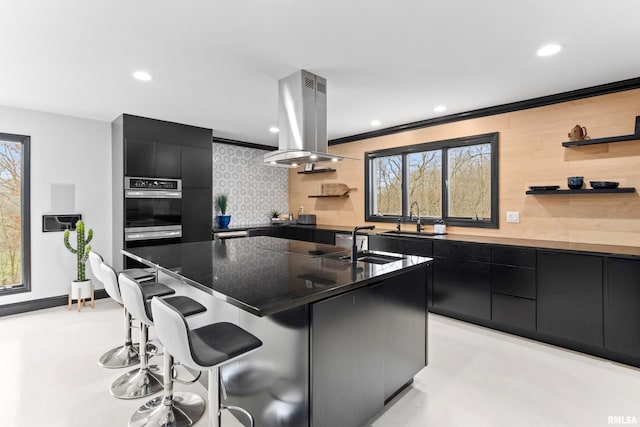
column 366, row 345
column 273, row 382
column 405, row 329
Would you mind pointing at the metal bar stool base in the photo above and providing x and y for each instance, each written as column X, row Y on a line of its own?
column 184, row 411
column 137, row 383
column 120, row 357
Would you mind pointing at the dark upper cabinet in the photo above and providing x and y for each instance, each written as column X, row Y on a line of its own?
column 168, row 160
column 348, row 338
column 462, row 278
column 196, row 214
column 569, row 304
column 197, row 166
column 139, row 158
column 152, row 159
column 621, row 311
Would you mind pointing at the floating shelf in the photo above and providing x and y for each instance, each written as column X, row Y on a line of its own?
column 631, row 137
column 584, row 191
column 316, row 171
column 601, row 140
column 332, row 195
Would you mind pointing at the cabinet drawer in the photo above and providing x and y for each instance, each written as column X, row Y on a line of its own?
column 462, row 251
column 513, row 311
column 515, row 281
column 514, row 256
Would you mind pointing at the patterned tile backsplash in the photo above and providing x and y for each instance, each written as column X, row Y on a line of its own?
column 254, row 190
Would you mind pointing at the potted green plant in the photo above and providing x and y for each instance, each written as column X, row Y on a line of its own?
column 81, row 287
column 275, row 216
column 221, row 205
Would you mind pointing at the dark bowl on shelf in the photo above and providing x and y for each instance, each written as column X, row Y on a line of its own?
column 575, row 182
column 603, row 184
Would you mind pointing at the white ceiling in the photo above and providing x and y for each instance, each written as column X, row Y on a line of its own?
column 216, row 63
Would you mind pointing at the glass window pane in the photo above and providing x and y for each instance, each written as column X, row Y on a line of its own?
column 10, row 213
column 387, row 185
column 470, row 181
column 425, row 182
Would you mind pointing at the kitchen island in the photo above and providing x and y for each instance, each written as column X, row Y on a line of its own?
column 340, row 339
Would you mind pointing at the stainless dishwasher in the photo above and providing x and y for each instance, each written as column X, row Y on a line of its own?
column 346, row 241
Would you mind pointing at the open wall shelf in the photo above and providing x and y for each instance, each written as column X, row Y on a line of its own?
column 582, row 191
column 632, row 137
column 329, row 195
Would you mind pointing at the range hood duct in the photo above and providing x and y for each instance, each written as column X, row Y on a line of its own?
column 302, row 120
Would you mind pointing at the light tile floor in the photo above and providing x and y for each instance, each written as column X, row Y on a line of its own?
column 49, row 376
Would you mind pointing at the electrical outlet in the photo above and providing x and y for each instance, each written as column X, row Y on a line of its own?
column 513, row 217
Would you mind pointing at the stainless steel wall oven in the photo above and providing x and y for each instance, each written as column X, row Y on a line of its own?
column 153, row 209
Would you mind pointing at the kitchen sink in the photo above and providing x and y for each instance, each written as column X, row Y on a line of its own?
column 411, row 233
column 379, row 258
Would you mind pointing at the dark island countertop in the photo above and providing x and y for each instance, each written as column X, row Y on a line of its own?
column 266, row 275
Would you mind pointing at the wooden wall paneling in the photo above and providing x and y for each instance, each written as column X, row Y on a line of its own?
column 530, row 154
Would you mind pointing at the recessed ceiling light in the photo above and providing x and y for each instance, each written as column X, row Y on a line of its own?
column 313, row 157
column 549, row 49
column 439, row 108
column 273, row 163
column 335, row 159
column 274, row 129
column 376, row 122
column 142, row 76
column 295, row 165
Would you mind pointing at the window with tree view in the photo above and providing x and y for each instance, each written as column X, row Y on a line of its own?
column 14, row 213
column 454, row 180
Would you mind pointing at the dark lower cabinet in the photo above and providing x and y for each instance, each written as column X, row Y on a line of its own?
column 463, row 287
column 325, row 236
column 513, row 311
column 346, row 357
column 305, row 234
column 569, row 304
column 404, row 329
column 622, row 308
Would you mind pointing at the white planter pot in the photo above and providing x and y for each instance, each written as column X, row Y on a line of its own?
column 81, row 289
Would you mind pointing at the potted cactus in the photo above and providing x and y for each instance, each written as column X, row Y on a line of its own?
column 221, row 205
column 81, row 287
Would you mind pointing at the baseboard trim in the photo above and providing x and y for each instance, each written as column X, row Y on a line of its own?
column 42, row 303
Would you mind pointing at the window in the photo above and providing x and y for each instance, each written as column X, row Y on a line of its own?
column 14, row 214
column 454, row 180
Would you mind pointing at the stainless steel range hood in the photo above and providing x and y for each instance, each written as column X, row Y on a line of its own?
column 302, row 120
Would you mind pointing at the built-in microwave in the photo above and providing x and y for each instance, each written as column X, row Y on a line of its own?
column 153, row 208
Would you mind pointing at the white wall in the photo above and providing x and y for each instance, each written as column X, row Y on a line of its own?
column 65, row 150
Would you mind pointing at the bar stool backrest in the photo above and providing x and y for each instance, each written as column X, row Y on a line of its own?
column 106, row 275
column 133, row 299
column 173, row 332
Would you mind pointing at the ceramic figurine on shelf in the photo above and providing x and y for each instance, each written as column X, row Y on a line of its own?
column 578, row 133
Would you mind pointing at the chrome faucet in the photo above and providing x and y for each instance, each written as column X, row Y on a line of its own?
column 419, row 227
column 354, row 246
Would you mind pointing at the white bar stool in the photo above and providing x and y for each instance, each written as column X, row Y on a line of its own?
column 206, row 348
column 126, row 354
column 139, row 382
